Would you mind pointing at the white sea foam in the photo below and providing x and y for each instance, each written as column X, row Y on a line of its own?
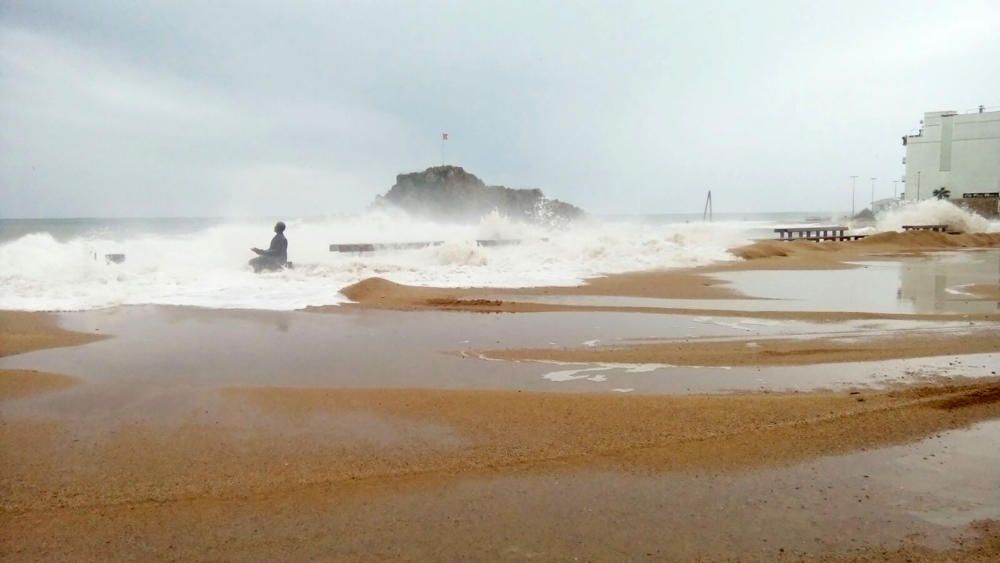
column 208, row 267
column 959, row 290
column 575, row 373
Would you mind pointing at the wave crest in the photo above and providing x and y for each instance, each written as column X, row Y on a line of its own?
column 933, row 212
column 208, row 267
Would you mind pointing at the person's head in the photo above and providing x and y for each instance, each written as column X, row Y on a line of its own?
column 279, row 227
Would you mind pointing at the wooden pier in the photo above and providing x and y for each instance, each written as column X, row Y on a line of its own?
column 934, row 228
column 816, row 234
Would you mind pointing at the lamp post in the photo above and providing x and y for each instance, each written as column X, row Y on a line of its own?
column 895, row 189
column 918, row 185
column 854, row 184
column 873, row 195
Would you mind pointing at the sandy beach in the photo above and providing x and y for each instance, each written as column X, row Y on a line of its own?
column 692, row 284
column 769, row 352
column 576, row 430
column 484, row 281
column 24, row 332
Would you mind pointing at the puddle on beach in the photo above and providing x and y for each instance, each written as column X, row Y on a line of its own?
column 167, row 365
column 161, row 359
column 930, row 284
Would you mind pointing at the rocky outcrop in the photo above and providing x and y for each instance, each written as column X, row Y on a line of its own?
column 451, row 193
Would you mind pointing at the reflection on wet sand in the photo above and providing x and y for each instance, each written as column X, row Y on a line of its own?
column 935, row 285
column 910, row 285
column 177, row 351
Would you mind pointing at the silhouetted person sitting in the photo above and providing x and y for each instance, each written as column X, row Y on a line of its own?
column 275, row 257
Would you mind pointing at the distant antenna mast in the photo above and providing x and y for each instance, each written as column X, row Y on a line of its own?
column 444, row 141
column 707, row 214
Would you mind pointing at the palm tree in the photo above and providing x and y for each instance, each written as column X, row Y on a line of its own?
column 942, row 193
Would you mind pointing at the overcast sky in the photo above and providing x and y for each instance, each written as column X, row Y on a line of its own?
column 123, row 108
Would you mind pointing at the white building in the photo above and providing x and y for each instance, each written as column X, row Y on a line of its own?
column 956, row 151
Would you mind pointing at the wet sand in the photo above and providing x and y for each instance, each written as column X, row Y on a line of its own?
column 182, row 352
column 809, row 254
column 897, row 501
column 25, row 332
column 701, row 283
column 985, row 291
column 16, row 384
column 261, row 441
column 259, row 472
column 381, row 294
column 375, row 434
column 771, row 351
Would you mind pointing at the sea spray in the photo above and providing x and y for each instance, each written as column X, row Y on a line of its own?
column 460, row 253
column 934, row 212
column 207, row 265
column 497, row 226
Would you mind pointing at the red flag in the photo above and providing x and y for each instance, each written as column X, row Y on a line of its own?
column 444, row 136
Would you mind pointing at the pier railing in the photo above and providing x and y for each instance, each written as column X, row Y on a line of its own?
column 815, row 233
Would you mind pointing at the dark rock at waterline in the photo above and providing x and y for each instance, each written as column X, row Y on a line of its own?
column 451, row 193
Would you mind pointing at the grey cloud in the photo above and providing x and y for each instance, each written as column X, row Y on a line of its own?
column 120, row 108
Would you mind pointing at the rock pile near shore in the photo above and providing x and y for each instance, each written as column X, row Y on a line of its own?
column 451, row 193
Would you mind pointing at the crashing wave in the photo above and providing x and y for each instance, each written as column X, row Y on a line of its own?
column 934, row 212
column 207, row 267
